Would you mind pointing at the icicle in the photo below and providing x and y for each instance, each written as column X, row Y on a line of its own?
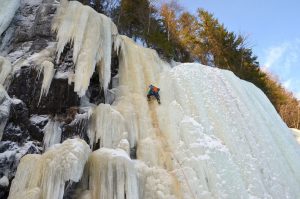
column 111, row 174
column 107, row 125
column 92, row 35
column 5, row 69
column 124, row 144
column 8, row 9
column 44, row 176
column 52, row 133
column 48, row 70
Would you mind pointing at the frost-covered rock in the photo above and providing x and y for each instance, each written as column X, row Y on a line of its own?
column 27, row 87
column 26, row 33
column 10, row 155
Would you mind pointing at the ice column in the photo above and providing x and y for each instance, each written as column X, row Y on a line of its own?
column 111, row 174
column 52, row 133
column 107, row 126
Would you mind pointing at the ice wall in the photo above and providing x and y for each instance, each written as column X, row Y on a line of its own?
column 226, row 132
column 44, row 176
column 7, row 12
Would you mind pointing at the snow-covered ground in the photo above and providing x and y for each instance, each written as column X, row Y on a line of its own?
column 213, row 136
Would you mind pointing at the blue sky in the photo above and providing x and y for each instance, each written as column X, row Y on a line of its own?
column 272, row 28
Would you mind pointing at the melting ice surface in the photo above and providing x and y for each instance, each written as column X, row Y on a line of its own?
column 213, row 136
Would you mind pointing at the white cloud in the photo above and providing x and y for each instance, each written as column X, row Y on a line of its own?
column 283, row 60
column 287, row 84
column 274, row 54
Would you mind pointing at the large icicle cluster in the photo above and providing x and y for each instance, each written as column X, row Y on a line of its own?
column 92, row 35
column 110, row 174
column 8, row 9
column 44, row 176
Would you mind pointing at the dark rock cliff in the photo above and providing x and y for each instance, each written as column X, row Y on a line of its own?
column 29, row 33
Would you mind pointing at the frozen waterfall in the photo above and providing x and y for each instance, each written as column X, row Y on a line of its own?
column 213, row 136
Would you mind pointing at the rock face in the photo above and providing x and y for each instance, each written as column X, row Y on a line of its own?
column 29, row 33
column 26, row 86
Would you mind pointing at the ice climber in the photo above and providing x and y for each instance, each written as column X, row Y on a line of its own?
column 153, row 91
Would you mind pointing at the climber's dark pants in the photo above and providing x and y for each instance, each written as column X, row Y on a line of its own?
column 156, row 95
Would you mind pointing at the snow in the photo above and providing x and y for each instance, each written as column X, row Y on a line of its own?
column 45, row 55
column 92, row 35
column 5, row 69
column 62, row 75
column 4, row 182
column 296, row 133
column 7, row 12
column 44, row 176
column 37, row 119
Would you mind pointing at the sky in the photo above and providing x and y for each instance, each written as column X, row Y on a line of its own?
column 272, row 28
